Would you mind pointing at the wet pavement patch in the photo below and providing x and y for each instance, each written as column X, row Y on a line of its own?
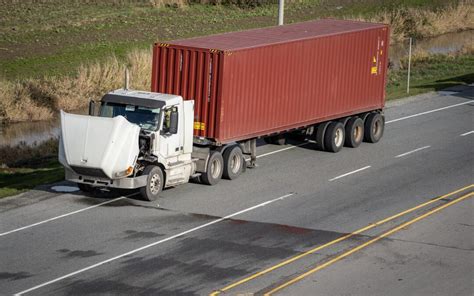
column 64, row 189
column 132, row 234
column 77, row 253
column 198, row 261
column 13, row 276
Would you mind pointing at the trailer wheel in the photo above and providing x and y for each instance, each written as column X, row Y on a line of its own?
column 233, row 163
column 374, row 127
column 85, row 187
column 214, row 170
column 354, row 132
column 320, row 132
column 334, row 137
column 154, row 183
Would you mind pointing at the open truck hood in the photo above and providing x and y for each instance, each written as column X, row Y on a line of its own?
column 98, row 146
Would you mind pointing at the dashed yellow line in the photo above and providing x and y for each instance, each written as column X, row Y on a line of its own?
column 342, row 238
column 364, row 245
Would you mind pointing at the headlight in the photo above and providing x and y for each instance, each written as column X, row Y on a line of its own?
column 125, row 173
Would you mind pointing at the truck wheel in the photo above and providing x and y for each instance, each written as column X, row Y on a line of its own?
column 233, row 163
column 334, row 137
column 85, row 187
column 374, row 127
column 154, row 183
column 319, row 138
column 354, row 132
column 214, row 170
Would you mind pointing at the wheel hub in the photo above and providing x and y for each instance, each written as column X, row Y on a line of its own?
column 155, row 184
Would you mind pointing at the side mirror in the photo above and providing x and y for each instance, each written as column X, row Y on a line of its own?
column 92, row 108
column 173, row 122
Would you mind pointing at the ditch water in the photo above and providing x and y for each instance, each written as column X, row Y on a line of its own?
column 37, row 132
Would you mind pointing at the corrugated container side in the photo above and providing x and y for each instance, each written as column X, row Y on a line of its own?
column 261, row 90
column 193, row 74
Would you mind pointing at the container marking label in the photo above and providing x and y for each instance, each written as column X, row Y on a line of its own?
column 199, row 125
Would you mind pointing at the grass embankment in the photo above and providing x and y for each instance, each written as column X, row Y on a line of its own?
column 58, row 54
column 24, row 167
column 432, row 72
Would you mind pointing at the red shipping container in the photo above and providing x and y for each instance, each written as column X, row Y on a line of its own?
column 258, row 82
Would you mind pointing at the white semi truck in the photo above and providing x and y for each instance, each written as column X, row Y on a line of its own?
column 213, row 97
column 140, row 140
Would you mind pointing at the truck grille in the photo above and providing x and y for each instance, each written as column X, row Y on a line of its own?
column 93, row 172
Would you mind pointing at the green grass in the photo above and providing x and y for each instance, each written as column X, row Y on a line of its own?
column 55, row 37
column 432, row 73
column 17, row 180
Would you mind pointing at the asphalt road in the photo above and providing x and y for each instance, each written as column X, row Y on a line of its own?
column 242, row 236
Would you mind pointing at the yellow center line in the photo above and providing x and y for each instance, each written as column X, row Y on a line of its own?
column 366, row 244
column 342, row 238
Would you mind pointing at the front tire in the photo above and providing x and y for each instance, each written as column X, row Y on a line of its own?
column 154, row 183
column 233, row 163
column 214, row 169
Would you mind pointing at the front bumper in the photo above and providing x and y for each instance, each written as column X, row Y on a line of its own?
column 124, row 183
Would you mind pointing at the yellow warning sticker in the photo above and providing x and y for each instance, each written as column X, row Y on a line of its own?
column 374, row 60
column 199, row 125
column 373, row 70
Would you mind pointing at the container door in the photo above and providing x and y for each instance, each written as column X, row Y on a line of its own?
column 192, row 74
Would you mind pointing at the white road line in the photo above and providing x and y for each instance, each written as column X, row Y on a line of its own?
column 284, row 149
column 428, row 112
column 349, row 173
column 412, row 151
column 154, row 244
column 64, row 215
column 468, row 133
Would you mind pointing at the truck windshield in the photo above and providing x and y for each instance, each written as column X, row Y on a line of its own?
column 146, row 118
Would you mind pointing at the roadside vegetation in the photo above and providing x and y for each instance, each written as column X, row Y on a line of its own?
column 24, row 167
column 59, row 54
column 432, row 72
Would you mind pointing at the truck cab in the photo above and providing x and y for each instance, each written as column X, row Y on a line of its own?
column 138, row 140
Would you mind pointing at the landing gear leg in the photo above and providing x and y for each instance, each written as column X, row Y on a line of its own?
column 253, row 154
column 250, row 148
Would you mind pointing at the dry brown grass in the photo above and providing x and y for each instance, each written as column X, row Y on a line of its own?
column 22, row 153
column 421, row 56
column 156, row 3
column 467, row 49
column 40, row 99
column 406, row 22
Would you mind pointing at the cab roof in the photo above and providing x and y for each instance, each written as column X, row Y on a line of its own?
column 141, row 98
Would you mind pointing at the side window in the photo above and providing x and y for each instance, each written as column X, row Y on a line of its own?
column 167, row 119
